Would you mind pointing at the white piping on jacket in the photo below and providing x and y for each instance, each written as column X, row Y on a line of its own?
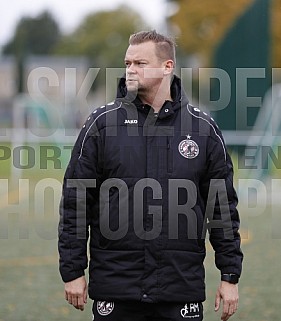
column 206, row 120
column 84, row 139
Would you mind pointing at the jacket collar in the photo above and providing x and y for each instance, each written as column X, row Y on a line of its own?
column 169, row 107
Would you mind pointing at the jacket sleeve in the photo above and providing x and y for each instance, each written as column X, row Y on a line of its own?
column 221, row 206
column 78, row 198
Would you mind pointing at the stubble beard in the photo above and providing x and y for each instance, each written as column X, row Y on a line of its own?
column 132, row 86
column 136, row 89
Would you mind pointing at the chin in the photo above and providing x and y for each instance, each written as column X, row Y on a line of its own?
column 132, row 88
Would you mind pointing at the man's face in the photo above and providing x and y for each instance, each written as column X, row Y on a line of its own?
column 144, row 70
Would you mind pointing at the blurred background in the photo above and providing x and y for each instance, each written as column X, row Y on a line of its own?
column 60, row 60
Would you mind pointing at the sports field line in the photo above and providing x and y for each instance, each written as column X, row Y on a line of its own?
column 246, row 236
column 13, row 198
column 29, row 261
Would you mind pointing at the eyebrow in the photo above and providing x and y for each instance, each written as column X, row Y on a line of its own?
column 135, row 60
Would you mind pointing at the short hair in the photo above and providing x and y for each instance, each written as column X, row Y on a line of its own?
column 165, row 46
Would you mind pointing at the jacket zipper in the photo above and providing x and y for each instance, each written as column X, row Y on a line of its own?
column 169, row 155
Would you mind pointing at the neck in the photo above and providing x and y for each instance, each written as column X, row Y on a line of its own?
column 156, row 98
column 155, row 102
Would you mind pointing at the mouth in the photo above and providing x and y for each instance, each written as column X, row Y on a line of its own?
column 131, row 83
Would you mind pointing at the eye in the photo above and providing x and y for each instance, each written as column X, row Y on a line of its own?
column 127, row 64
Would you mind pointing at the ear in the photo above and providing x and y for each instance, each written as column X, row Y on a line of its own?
column 168, row 67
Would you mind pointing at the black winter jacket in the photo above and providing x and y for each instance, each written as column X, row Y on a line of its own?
column 144, row 187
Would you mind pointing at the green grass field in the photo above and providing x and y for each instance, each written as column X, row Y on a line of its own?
column 31, row 288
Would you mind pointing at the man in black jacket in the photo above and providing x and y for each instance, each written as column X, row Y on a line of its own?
column 148, row 175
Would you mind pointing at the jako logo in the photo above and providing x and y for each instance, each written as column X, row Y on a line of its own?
column 131, row 121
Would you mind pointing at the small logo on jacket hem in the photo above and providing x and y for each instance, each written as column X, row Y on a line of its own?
column 188, row 148
column 105, row 308
column 190, row 311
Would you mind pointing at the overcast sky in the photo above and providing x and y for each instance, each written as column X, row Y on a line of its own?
column 69, row 13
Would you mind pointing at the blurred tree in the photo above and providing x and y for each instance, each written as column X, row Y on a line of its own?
column 36, row 35
column 203, row 25
column 103, row 37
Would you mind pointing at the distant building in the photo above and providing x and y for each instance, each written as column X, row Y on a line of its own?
column 56, row 77
column 54, row 80
column 7, row 78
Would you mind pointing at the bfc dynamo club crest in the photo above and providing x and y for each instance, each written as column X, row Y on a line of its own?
column 188, row 148
column 104, row 307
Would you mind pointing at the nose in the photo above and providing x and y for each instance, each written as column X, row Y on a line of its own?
column 131, row 69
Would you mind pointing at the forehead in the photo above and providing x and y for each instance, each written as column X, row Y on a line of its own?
column 141, row 51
